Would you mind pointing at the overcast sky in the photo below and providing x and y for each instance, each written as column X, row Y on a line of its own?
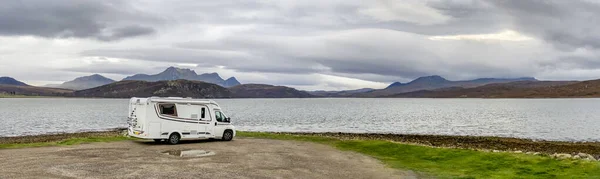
column 307, row 44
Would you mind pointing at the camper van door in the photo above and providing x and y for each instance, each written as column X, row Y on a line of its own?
column 204, row 127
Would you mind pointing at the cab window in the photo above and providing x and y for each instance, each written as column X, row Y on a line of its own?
column 219, row 116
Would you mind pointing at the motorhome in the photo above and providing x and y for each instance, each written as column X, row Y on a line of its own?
column 174, row 119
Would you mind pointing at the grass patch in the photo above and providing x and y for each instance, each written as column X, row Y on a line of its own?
column 453, row 163
column 70, row 141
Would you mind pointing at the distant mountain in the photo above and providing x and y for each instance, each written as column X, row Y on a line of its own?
column 231, row 82
column 519, row 89
column 173, row 73
column 343, row 93
column 395, row 84
column 11, row 81
column 438, row 82
column 85, row 82
column 172, row 88
column 266, row 91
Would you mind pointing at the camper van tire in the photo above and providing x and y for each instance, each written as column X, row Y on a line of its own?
column 174, row 138
column 227, row 135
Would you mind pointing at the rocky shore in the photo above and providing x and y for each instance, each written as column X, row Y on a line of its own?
column 555, row 149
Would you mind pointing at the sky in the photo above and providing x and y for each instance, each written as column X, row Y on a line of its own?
column 306, row 44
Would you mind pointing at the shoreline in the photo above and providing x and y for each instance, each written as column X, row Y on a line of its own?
column 489, row 144
column 479, row 143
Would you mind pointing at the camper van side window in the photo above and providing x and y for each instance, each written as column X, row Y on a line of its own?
column 168, row 109
column 202, row 113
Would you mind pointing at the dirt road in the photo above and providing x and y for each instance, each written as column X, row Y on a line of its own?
column 241, row 158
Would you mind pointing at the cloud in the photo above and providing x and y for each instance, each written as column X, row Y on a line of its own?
column 407, row 11
column 102, row 20
column 307, row 44
column 565, row 24
column 507, row 35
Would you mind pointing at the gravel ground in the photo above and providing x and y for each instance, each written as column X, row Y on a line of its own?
column 241, row 158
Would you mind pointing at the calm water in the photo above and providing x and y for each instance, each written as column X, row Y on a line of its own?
column 550, row 119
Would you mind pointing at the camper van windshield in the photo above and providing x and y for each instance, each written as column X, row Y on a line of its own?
column 168, row 109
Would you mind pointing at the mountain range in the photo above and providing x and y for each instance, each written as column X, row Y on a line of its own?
column 176, row 82
column 519, row 89
column 171, row 88
column 438, row 82
column 173, row 73
column 187, row 88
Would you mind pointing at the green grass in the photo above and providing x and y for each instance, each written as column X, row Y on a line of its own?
column 71, row 141
column 454, row 163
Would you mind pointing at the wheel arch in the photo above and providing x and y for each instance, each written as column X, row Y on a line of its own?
column 175, row 132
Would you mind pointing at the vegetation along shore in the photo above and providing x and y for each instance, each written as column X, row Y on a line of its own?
column 437, row 156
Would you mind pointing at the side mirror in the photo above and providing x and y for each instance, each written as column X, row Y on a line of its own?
column 227, row 119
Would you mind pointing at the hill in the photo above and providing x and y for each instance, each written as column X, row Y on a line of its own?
column 530, row 89
column 343, row 93
column 11, row 81
column 34, row 91
column 173, row 88
column 173, row 73
column 85, row 82
column 266, row 91
column 438, row 82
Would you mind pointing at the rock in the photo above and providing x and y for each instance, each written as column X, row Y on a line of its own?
column 529, row 153
column 562, row 156
column 586, row 156
column 536, row 153
column 518, row 152
column 576, row 157
column 496, row 151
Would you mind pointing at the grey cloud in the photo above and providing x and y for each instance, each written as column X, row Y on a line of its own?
column 128, row 31
column 103, row 20
column 300, row 39
column 370, row 54
column 201, row 57
column 571, row 62
column 241, row 61
column 111, row 69
column 566, row 24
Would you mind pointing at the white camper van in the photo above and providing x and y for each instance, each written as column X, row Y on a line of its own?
column 175, row 119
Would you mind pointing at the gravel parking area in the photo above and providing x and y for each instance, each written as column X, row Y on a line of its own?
column 241, row 158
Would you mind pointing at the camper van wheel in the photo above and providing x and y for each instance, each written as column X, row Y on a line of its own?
column 227, row 135
column 174, row 139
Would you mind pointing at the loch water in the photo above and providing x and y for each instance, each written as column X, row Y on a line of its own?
column 544, row 119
